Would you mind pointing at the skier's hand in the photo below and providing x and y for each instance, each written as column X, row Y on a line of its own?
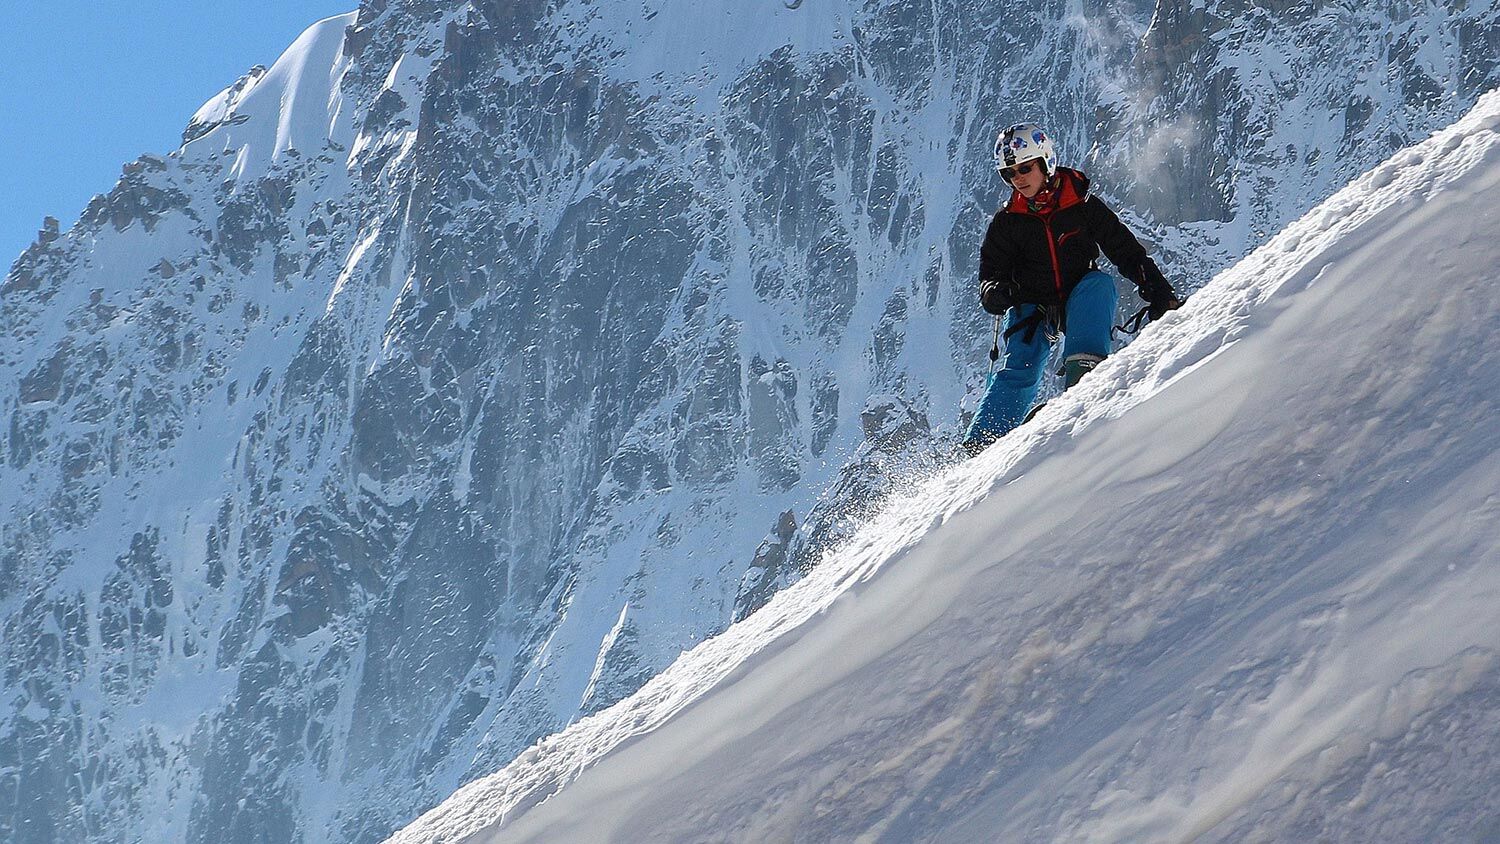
column 1159, row 295
column 997, row 296
column 1159, row 307
column 1153, row 286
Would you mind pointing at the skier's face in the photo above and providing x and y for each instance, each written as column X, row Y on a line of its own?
column 1027, row 177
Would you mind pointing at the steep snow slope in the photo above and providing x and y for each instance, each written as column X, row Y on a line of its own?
column 295, row 107
column 1242, row 584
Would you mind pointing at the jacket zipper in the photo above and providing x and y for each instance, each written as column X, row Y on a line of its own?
column 1056, row 266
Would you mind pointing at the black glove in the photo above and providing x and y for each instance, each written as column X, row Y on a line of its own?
column 1159, row 307
column 997, row 296
column 1155, row 289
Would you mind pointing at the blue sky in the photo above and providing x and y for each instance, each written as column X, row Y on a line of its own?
column 86, row 86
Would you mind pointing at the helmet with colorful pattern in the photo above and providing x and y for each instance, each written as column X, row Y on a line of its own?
column 1025, row 142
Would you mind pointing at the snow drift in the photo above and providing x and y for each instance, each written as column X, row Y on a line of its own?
column 1240, row 584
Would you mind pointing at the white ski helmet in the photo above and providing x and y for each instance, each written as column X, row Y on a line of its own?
column 1025, row 142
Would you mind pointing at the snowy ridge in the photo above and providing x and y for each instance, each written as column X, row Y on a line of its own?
column 1240, row 584
column 296, row 105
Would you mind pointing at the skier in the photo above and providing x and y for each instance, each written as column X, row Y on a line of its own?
column 1038, row 268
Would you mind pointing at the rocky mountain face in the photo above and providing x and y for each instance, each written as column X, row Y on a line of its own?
column 475, row 359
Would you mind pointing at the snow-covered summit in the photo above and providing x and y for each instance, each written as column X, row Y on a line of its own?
column 1241, row 584
column 296, row 105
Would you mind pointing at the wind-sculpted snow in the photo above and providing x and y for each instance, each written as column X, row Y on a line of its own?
column 1239, row 584
column 475, row 359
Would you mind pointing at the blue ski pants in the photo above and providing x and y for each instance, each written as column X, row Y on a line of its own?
column 1090, row 314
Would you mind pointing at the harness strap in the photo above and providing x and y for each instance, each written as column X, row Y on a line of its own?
column 1040, row 317
column 1028, row 325
column 1135, row 323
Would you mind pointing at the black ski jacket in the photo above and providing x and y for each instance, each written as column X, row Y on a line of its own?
column 1036, row 251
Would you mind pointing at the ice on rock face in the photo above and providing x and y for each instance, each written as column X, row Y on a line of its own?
column 442, row 387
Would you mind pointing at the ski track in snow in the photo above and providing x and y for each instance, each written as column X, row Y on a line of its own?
column 1259, row 606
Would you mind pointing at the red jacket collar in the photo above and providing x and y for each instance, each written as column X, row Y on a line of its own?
column 1069, row 187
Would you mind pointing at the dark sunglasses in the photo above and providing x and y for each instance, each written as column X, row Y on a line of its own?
column 1025, row 167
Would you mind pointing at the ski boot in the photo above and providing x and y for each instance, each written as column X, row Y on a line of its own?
column 1077, row 366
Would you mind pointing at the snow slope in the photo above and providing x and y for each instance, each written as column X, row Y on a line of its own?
column 1240, row 585
column 296, row 105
